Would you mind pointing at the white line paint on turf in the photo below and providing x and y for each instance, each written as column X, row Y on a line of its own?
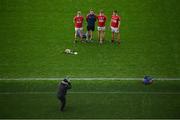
column 95, row 92
column 93, row 78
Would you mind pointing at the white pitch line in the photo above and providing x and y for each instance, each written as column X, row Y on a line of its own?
column 95, row 92
column 87, row 78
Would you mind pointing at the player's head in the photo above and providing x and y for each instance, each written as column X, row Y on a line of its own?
column 101, row 12
column 66, row 81
column 91, row 11
column 114, row 12
column 78, row 13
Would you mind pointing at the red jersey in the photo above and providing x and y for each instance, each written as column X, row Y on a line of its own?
column 115, row 21
column 101, row 20
column 78, row 21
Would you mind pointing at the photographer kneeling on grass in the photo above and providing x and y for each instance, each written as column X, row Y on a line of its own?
column 62, row 90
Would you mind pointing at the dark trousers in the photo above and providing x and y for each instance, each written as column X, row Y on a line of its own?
column 63, row 102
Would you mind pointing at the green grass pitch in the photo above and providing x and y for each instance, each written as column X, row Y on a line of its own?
column 90, row 99
column 34, row 33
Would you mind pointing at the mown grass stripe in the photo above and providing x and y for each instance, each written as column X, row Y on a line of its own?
column 95, row 92
column 93, row 78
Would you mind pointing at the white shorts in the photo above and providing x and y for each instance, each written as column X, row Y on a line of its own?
column 78, row 29
column 101, row 28
column 113, row 29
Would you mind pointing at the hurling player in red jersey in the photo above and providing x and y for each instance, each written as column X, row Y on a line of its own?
column 101, row 26
column 115, row 25
column 78, row 22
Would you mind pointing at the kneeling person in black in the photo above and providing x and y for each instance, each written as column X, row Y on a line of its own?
column 91, row 19
column 62, row 90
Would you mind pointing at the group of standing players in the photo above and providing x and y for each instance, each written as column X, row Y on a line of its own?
column 91, row 19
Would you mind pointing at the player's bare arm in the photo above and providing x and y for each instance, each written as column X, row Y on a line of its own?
column 119, row 23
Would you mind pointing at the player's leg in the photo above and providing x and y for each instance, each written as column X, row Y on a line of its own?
column 103, row 34
column 112, row 30
column 63, row 103
column 112, row 40
column 59, row 98
column 118, row 36
column 92, row 28
column 87, row 35
column 98, row 33
column 81, row 34
column 75, row 35
column 101, row 37
column 91, row 34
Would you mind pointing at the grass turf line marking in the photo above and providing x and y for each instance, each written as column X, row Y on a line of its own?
column 96, row 92
column 97, row 78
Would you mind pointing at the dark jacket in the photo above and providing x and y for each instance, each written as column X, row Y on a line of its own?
column 63, row 87
column 91, row 19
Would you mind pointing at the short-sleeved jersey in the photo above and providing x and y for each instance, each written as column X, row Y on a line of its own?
column 115, row 21
column 78, row 21
column 101, row 20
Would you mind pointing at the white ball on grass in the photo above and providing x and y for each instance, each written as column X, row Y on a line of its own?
column 75, row 53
